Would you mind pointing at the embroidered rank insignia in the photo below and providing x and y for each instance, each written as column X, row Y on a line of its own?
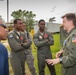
column 10, row 36
column 74, row 39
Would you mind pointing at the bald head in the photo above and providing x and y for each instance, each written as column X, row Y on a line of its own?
column 1, row 22
column 3, row 34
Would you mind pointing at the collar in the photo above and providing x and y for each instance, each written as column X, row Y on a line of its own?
column 71, row 30
column 41, row 32
column 17, row 32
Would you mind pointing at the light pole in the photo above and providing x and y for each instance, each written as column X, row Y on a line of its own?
column 7, row 11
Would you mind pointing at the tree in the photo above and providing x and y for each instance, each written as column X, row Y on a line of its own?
column 2, row 19
column 52, row 19
column 26, row 16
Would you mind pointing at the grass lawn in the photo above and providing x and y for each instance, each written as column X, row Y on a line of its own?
column 55, row 48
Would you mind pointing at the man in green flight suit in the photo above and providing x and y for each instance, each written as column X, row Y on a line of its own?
column 18, row 45
column 28, row 51
column 68, row 60
column 43, row 40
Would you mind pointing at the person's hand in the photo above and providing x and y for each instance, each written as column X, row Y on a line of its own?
column 47, row 40
column 21, row 44
column 26, row 41
column 58, row 54
column 52, row 61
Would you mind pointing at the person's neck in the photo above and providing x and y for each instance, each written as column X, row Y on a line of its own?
column 41, row 31
column 18, row 30
column 70, row 29
column 0, row 39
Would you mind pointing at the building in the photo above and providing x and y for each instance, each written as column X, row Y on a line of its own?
column 51, row 27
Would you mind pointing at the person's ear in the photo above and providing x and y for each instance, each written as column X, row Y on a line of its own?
column 14, row 25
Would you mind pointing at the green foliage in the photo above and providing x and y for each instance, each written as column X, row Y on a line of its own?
column 52, row 19
column 56, row 46
column 26, row 16
column 2, row 19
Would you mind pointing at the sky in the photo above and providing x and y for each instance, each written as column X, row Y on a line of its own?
column 44, row 9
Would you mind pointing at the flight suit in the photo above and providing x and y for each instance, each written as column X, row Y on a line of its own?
column 69, row 54
column 17, row 57
column 28, row 54
column 43, row 51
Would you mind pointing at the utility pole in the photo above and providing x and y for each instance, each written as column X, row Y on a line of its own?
column 7, row 11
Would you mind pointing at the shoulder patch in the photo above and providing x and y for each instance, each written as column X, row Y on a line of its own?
column 74, row 39
column 64, row 42
column 10, row 36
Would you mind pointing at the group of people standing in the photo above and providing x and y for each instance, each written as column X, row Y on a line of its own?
column 20, row 43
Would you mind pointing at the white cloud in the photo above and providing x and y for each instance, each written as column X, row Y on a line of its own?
column 42, row 8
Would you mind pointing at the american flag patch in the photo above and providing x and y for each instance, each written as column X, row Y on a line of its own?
column 73, row 39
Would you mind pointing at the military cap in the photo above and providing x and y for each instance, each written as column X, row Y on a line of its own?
column 3, row 25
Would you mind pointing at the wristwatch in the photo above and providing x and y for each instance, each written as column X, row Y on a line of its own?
column 60, row 59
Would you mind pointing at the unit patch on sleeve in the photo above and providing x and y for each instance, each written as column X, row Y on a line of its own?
column 74, row 39
column 10, row 36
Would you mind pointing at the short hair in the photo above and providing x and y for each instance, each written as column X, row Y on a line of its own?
column 24, row 22
column 41, row 20
column 70, row 16
column 15, row 21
